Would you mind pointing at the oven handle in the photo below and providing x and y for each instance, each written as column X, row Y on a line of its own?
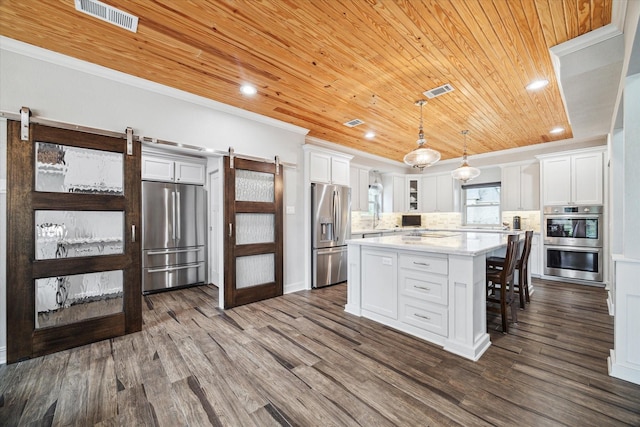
column 573, row 216
column 574, row 248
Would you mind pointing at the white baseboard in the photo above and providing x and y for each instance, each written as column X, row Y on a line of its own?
column 294, row 287
column 3, row 355
column 624, row 372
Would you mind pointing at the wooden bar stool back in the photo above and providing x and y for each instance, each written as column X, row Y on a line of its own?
column 504, row 278
column 522, row 265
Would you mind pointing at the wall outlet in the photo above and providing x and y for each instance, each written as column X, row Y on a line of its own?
column 291, row 210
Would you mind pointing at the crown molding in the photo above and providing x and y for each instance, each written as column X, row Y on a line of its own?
column 586, row 40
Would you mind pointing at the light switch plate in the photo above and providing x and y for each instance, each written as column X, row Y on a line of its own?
column 291, row 210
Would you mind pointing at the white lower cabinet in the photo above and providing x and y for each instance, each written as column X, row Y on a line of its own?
column 535, row 269
column 423, row 286
column 380, row 282
column 427, row 316
column 423, row 296
column 430, row 295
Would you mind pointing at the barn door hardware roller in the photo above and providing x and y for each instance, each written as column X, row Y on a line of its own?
column 25, row 113
column 231, row 156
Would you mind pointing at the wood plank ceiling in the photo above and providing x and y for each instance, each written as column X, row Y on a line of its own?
column 320, row 63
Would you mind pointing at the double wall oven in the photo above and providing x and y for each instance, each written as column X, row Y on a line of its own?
column 573, row 242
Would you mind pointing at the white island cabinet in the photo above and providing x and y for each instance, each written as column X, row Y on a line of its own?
column 431, row 286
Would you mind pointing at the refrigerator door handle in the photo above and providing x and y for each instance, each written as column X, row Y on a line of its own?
column 336, row 209
column 180, row 267
column 173, row 215
column 172, row 251
column 178, row 214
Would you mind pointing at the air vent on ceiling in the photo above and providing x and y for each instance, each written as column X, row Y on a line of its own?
column 353, row 123
column 108, row 13
column 438, row 91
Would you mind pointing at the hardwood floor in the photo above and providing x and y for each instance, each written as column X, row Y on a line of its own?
column 300, row 360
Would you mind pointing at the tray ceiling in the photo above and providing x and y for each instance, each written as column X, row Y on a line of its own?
column 318, row 64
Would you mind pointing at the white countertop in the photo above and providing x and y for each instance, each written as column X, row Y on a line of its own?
column 454, row 242
column 457, row 230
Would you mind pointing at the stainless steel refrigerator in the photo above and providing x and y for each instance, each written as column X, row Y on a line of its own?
column 330, row 228
column 173, row 235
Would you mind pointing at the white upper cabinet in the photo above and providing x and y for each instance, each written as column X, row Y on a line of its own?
column 438, row 193
column 573, row 178
column 189, row 173
column 394, row 197
column 586, row 178
column 157, row 168
column 320, row 167
column 328, row 168
column 165, row 168
column 556, row 181
column 339, row 171
column 359, row 178
column 521, row 187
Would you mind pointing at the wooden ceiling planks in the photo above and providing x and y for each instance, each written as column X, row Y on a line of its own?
column 318, row 64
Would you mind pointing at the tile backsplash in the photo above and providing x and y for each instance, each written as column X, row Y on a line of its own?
column 529, row 220
column 364, row 221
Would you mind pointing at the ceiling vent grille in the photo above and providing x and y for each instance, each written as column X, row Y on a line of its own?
column 353, row 123
column 108, row 13
column 438, row 91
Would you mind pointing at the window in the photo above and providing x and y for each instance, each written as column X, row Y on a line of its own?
column 481, row 204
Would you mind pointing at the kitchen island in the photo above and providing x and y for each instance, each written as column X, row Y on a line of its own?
column 429, row 284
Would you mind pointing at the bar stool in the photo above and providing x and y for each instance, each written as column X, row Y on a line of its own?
column 504, row 277
column 522, row 265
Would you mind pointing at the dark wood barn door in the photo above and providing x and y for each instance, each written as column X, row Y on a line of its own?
column 254, row 228
column 73, row 257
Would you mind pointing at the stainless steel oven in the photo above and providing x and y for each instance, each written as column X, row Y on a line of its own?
column 573, row 262
column 573, row 225
column 573, row 242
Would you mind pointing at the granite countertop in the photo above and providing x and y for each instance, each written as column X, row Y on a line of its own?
column 450, row 242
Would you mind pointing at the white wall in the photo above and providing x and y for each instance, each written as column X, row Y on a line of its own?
column 631, row 243
column 63, row 89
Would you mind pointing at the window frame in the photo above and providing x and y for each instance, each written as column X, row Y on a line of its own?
column 464, row 206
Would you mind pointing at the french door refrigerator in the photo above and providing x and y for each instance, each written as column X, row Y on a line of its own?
column 330, row 228
column 173, row 235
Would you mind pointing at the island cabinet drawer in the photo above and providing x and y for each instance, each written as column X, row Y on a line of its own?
column 431, row 264
column 423, row 286
column 429, row 317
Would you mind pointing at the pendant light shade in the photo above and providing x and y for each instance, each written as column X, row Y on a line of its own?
column 465, row 172
column 421, row 157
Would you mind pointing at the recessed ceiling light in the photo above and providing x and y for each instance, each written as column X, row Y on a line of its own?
column 557, row 130
column 370, row 134
column 248, row 90
column 537, row 84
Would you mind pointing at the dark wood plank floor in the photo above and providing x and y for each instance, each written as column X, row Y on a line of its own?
column 300, row 360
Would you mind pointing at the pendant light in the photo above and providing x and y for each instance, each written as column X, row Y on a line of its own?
column 465, row 172
column 421, row 157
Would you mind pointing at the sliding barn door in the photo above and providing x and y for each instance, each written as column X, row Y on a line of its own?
column 253, row 231
column 73, row 257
